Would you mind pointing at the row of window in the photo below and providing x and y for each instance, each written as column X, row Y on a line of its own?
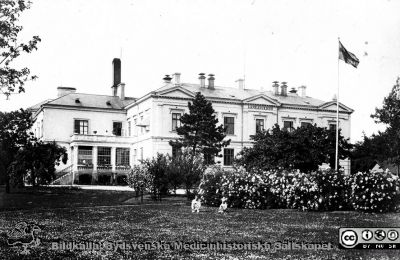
column 229, row 155
column 82, row 126
column 85, row 156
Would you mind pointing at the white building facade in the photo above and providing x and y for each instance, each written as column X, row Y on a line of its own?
column 106, row 135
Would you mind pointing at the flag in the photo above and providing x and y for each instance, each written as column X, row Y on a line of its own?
column 347, row 56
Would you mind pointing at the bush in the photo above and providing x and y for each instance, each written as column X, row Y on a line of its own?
column 374, row 191
column 333, row 189
column 243, row 189
column 210, row 186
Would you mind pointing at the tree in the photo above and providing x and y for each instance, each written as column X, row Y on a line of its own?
column 370, row 151
column 199, row 130
column 157, row 167
column 14, row 134
column 12, row 78
column 304, row 148
column 36, row 161
column 186, row 168
column 389, row 114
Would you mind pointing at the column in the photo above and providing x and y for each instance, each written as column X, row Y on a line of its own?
column 74, row 153
column 113, row 162
column 94, row 161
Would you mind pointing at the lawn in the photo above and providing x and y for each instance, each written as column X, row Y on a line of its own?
column 170, row 221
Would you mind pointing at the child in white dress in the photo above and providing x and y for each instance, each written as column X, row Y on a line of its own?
column 196, row 204
column 223, row 206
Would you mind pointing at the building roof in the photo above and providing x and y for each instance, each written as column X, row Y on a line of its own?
column 292, row 99
column 87, row 101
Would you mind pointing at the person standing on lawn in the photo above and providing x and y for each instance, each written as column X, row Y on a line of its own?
column 196, row 204
column 223, row 206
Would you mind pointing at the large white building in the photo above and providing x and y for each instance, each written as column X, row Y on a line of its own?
column 106, row 135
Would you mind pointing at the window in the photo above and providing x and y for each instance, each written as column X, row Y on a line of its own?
column 176, row 121
column 104, row 156
column 117, row 128
column 208, row 159
column 305, row 124
column 85, row 155
column 228, row 156
column 175, row 151
column 288, row 125
column 129, row 128
column 122, row 156
column 141, row 153
column 259, row 125
column 229, row 123
column 81, row 127
column 332, row 126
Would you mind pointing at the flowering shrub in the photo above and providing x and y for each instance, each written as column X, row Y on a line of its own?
column 333, row 190
column 323, row 190
column 139, row 179
column 210, row 186
column 243, row 189
column 246, row 189
column 374, row 191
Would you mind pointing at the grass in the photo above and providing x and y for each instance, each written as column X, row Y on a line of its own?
column 172, row 222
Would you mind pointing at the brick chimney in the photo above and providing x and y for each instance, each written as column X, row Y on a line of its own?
column 177, row 78
column 116, row 63
column 202, row 79
column 62, row 91
column 275, row 87
column 211, row 80
column 283, row 88
column 302, row 90
column 240, row 83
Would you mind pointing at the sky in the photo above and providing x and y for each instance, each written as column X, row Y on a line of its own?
column 263, row 41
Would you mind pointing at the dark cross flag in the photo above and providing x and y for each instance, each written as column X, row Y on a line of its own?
column 347, row 56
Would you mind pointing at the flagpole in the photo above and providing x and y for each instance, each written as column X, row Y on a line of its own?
column 337, row 116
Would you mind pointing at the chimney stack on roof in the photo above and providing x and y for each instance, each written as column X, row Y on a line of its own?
column 211, row 80
column 293, row 90
column 240, row 83
column 167, row 79
column 202, row 79
column 121, row 88
column 283, row 88
column 177, row 78
column 62, row 91
column 302, row 90
column 275, row 87
column 116, row 75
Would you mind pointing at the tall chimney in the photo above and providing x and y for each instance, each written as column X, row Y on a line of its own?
column 240, row 83
column 202, row 79
column 211, row 80
column 275, row 87
column 167, row 79
column 116, row 75
column 283, row 88
column 302, row 90
column 177, row 79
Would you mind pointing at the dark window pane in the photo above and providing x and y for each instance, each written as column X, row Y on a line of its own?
column 176, row 121
column 122, row 156
column 288, row 125
column 117, row 128
column 81, row 127
column 228, row 156
column 104, row 156
column 229, row 123
column 259, row 125
column 305, row 124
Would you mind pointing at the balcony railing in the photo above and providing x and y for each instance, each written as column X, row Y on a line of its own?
column 85, row 167
column 101, row 138
column 123, row 168
column 104, row 168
